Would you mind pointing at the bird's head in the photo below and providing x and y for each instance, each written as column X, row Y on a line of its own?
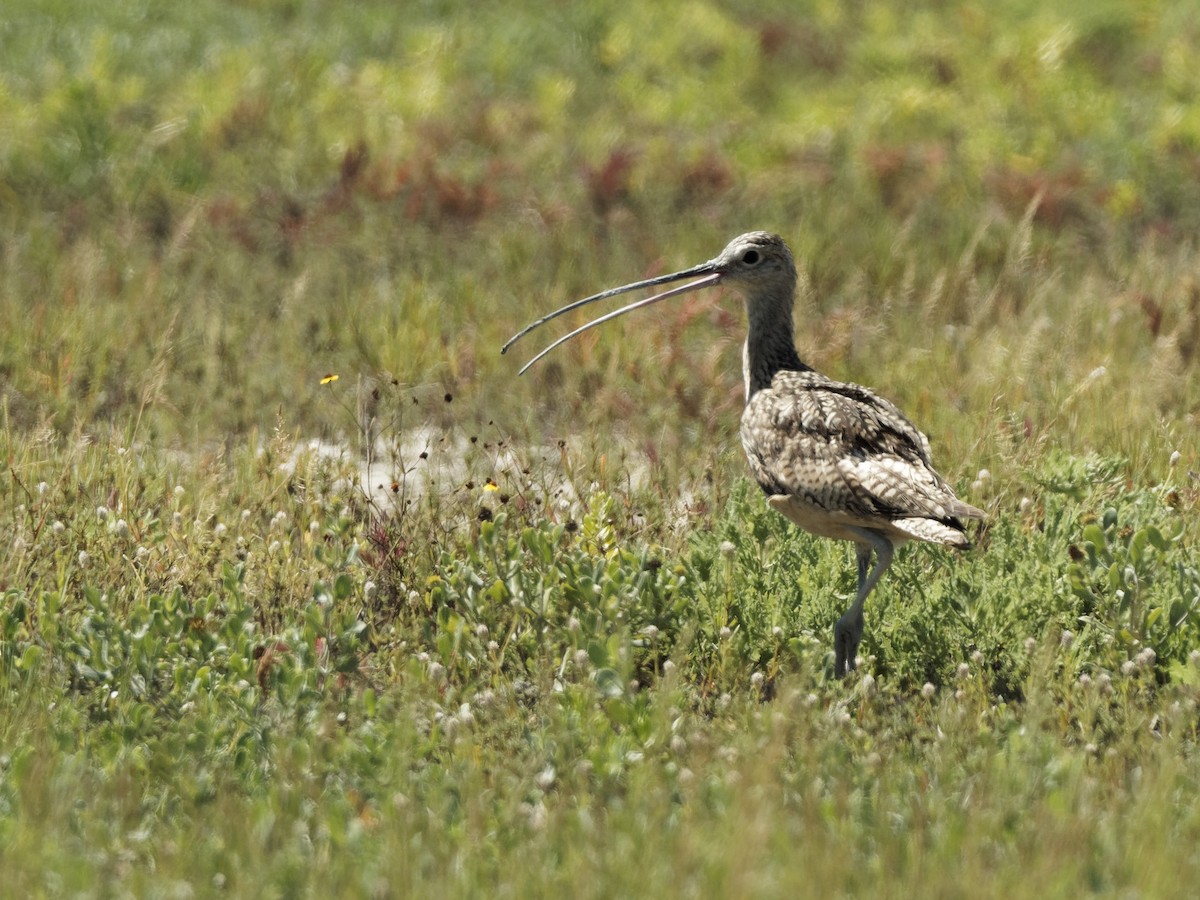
column 757, row 263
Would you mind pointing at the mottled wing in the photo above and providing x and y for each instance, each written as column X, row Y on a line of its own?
column 839, row 448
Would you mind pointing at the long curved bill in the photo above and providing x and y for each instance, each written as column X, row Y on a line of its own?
column 710, row 276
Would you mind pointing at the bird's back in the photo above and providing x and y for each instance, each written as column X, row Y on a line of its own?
column 831, row 455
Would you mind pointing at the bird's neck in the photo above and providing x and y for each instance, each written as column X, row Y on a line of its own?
column 770, row 345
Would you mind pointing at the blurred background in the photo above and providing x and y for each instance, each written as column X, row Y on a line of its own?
column 207, row 207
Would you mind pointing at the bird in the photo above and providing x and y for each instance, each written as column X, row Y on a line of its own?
column 833, row 457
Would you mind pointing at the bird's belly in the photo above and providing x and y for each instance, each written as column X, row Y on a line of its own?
column 811, row 517
column 836, row 524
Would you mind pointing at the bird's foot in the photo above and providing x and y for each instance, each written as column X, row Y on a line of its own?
column 845, row 658
column 846, row 636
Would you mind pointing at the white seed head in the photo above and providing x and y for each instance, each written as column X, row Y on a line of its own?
column 756, row 680
column 101, row 513
column 84, row 559
column 58, row 527
column 1067, row 638
column 928, row 690
column 1176, row 456
column 536, row 814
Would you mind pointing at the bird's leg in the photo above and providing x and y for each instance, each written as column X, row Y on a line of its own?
column 848, row 631
column 849, row 628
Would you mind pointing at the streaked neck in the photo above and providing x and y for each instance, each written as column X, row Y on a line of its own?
column 770, row 344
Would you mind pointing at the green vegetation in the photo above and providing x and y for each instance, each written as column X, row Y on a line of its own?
column 550, row 640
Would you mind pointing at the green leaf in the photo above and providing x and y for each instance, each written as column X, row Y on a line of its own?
column 597, row 654
column 1156, row 538
column 1184, row 673
column 1137, row 546
column 31, row 658
column 1094, row 535
column 609, row 683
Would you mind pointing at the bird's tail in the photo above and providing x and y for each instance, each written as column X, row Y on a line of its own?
column 961, row 510
column 934, row 532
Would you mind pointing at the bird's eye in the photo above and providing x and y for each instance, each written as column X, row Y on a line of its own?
column 751, row 257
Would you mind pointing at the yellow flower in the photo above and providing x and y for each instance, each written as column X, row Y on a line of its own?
column 491, row 486
column 328, row 378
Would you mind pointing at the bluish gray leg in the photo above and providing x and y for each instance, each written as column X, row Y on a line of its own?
column 847, row 633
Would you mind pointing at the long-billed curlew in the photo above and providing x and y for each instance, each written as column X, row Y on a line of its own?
column 835, row 458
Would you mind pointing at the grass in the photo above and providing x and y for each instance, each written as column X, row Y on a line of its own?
column 551, row 640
